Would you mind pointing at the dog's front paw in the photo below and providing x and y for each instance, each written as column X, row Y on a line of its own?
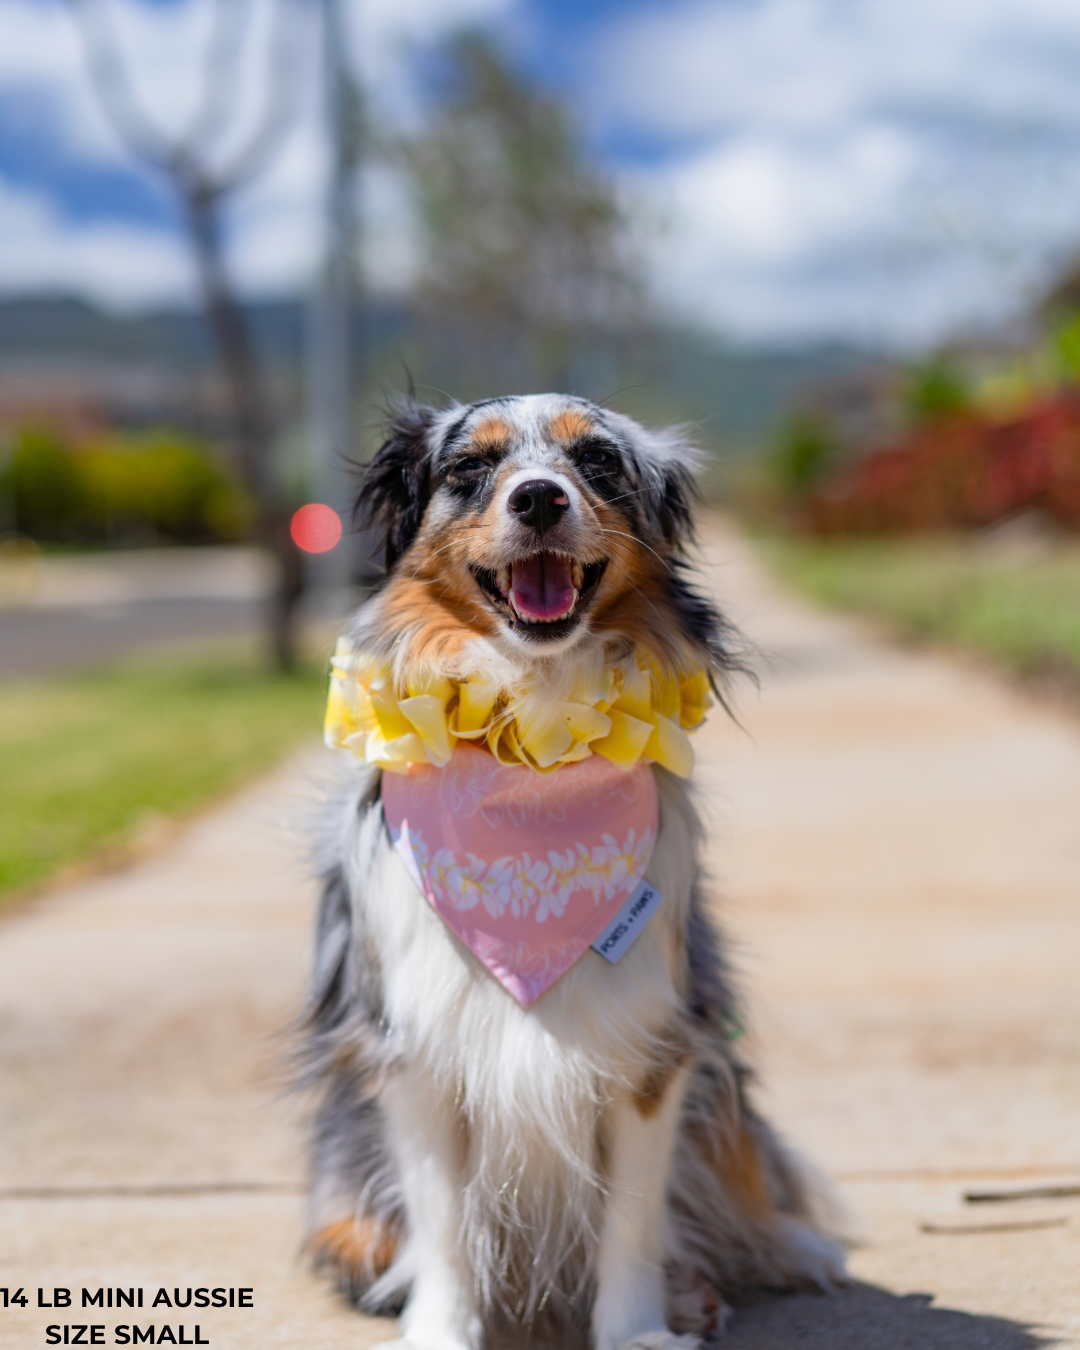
column 694, row 1305
column 424, row 1342
column 660, row 1340
column 814, row 1256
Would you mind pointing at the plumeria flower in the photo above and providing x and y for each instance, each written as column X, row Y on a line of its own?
column 552, row 900
column 565, row 875
column 465, row 883
column 593, row 867
column 498, row 885
column 439, row 867
column 628, row 861
column 527, row 886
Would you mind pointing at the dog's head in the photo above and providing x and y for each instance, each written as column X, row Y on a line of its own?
column 535, row 522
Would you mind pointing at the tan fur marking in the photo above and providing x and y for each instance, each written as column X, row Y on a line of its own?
column 650, row 1094
column 569, row 426
column 492, row 434
column 433, row 602
column 633, row 599
column 739, row 1169
column 357, row 1246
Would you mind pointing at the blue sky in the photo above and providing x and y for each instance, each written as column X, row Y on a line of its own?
column 892, row 171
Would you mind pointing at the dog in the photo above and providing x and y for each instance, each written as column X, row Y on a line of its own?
column 592, row 1162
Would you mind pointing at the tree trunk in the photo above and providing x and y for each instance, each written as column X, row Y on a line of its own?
column 250, row 415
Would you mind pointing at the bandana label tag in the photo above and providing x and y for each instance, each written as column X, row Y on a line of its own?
column 627, row 926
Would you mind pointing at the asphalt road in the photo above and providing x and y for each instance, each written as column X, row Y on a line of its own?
column 45, row 641
column 61, row 612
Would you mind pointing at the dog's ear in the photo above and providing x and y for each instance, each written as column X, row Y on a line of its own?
column 672, row 502
column 670, row 463
column 396, row 485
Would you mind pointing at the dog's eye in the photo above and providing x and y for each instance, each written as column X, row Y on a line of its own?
column 597, row 457
column 471, row 464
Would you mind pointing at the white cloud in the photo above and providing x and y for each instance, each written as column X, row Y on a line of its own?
column 43, row 60
column 884, row 169
column 274, row 224
column 43, row 56
column 766, row 199
column 770, row 238
column 703, row 67
column 110, row 261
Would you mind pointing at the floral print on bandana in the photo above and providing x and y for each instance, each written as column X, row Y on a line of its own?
column 528, row 886
column 527, row 871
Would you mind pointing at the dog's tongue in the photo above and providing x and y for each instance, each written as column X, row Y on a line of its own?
column 541, row 586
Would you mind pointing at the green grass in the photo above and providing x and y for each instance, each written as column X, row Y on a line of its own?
column 91, row 760
column 1018, row 605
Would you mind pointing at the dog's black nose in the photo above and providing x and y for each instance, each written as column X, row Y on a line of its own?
column 538, row 503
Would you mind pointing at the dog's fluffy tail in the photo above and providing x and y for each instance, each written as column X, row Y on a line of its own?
column 746, row 1210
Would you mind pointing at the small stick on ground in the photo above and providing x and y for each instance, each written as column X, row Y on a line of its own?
column 1018, row 1226
column 1027, row 1193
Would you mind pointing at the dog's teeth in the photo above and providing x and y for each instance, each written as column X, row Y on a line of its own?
column 577, row 575
column 530, row 619
column 535, row 618
column 502, row 580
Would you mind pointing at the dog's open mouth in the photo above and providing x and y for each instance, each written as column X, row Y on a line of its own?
column 542, row 594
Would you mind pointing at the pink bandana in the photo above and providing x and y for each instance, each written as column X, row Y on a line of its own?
column 529, row 870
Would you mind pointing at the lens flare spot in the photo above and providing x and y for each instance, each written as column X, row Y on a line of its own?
column 315, row 528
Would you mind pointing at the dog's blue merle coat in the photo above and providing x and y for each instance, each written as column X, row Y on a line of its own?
column 528, row 1104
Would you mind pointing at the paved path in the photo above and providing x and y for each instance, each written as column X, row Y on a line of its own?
column 62, row 612
column 65, row 611
column 898, row 842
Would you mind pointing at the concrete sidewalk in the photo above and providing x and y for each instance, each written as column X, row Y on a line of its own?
column 898, row 845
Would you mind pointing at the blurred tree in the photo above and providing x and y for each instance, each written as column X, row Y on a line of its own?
column 203, row 178
column 518, row 230
column 1066, row 346
column 1062, row 298
column 805, row 450
column 936, row 389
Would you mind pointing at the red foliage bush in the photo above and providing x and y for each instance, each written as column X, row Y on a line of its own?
column 961, row 472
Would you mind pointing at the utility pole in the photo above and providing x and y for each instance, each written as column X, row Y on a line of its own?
column 330, row 382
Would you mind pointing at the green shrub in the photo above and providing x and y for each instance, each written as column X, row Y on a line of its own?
column 804, row 451
column 935, row 390
column 1020, row 609
column 44, row 492
column 1066, row 344
column 154, row 486
column 162, row 482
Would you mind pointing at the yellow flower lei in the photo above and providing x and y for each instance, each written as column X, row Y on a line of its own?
column 629, row 712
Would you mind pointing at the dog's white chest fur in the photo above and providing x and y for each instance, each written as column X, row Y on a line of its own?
column 529, row 1086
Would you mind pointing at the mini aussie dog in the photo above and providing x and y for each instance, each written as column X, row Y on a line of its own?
column 584, row 1160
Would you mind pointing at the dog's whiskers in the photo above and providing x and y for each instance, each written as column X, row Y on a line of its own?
column 635, row 540
column 610, row 501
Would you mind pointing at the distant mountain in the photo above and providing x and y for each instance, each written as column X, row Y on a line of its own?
column 64, row 329
column 737, row 395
